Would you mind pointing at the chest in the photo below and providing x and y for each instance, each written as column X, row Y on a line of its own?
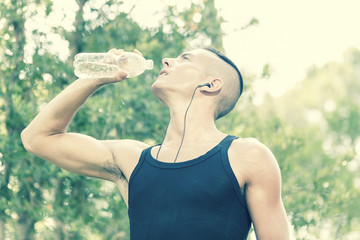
column 183, row 183
column 194, row 198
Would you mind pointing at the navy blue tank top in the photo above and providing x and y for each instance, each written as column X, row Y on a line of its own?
column 196, row 199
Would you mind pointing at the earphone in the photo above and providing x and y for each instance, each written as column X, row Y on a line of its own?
column 183, row 136
column 205, row 84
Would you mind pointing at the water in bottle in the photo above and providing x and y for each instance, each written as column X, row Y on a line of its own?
column 107, row 65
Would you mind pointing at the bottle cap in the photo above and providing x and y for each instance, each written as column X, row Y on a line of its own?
column 149, row 64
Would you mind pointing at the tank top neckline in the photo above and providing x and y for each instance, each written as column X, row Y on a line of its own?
column 186, row 163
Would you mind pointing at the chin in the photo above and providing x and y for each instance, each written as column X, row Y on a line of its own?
column 160, row 90
column 157, row 90
column 156, row 87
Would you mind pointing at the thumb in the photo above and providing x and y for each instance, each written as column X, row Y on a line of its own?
column 121, row 76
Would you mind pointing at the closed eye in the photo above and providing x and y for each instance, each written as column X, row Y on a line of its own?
column 184, row 56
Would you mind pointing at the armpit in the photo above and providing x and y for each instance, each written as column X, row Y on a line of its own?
column 115, row 171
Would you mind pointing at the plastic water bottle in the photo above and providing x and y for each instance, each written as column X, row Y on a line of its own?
column 107, row 65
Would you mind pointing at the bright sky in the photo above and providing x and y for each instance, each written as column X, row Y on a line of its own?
column 291, row 35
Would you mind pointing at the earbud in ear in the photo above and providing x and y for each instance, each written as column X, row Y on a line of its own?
column 205, row 84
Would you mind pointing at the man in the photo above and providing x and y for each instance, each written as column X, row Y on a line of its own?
column 199, row 183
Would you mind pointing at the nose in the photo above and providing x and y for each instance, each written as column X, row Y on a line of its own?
column 167, row 62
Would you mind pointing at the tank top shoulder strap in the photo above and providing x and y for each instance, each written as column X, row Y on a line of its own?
column 225, row 144
column 228, row 169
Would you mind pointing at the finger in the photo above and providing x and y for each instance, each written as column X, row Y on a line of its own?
column 112, row 50
column 137, row 52
column 120, row 76
column 116, row 51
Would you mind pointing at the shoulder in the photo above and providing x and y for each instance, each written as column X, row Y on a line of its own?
column 255, row 159
column 262, row 188
column 250, row 148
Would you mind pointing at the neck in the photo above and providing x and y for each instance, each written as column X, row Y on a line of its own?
column 199, row 126
column 190, row 124
column 186, row 136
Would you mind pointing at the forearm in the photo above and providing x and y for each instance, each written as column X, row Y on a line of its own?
column 56, row 116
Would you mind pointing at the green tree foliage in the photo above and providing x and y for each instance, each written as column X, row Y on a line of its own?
column 327, row 102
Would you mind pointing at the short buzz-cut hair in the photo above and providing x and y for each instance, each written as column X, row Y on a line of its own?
column 226, row 104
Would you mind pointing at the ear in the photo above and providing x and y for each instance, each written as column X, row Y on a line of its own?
column 216, row 85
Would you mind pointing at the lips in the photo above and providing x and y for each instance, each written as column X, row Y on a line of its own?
column 163, row 72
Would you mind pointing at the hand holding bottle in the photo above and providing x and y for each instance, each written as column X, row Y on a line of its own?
column 113, row 66
column 121, row 75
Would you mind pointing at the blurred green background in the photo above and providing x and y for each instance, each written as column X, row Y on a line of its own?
column 313, row 129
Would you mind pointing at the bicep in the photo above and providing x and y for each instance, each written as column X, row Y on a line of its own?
column 267, row 212
column 75, row 152
column 263, row 196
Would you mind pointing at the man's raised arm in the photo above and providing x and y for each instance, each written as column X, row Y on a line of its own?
column 47, row 138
